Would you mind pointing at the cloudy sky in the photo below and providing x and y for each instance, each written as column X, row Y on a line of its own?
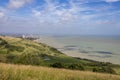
column 92, row 17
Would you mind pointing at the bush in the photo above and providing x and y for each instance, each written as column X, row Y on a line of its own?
column 107, row 69
column 99, row 64
column 95, row 70
column 3, row 42
column 57, row 65
column 104, row 69
column 76, row 66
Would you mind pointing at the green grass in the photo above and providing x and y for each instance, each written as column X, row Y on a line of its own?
column 22, row 72
column 28, row 52
column 17, row 47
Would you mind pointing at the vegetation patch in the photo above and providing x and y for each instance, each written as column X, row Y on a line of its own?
column 24, row 72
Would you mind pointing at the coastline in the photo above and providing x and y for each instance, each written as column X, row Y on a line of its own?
column 53, row 42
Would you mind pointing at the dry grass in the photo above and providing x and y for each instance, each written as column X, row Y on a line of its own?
column 22, row 72
column 117, row 70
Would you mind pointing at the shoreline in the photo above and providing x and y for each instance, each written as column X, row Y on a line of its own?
column 53, row 43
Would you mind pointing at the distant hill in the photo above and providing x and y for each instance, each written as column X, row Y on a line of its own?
column 28, row 52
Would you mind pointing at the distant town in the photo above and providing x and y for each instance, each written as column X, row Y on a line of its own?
column 24, row 36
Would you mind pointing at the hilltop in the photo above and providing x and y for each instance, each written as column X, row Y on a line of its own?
column 23, row 51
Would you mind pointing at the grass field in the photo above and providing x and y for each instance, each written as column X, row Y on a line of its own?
column 22, row 72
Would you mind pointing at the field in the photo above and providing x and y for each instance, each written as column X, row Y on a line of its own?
column 22, row 72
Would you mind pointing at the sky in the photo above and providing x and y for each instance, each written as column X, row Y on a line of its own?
column 81, row 17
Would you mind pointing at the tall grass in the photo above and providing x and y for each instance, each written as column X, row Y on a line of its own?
column 22, row 72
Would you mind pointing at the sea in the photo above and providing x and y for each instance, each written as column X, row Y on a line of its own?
column 98, row 48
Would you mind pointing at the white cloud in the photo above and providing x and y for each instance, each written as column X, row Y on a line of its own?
column 2, row 14
column 53, row 16
column 112, row 0
column 56, row 12
column 18, row 3
column 36, row 13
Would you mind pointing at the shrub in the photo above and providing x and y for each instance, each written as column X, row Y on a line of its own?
column 104, row 69
column 3, row 42
column 107, row 69
column 76, row 66
column 95, row 70
column 57, row 65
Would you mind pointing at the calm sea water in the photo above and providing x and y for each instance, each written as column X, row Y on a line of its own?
column 100, row 48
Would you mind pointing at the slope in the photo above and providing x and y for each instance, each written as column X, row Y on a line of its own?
column 28, row 52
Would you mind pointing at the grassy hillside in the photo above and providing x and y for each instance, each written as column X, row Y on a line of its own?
column 28, row 52
column 16, row 50
column 21, row 72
